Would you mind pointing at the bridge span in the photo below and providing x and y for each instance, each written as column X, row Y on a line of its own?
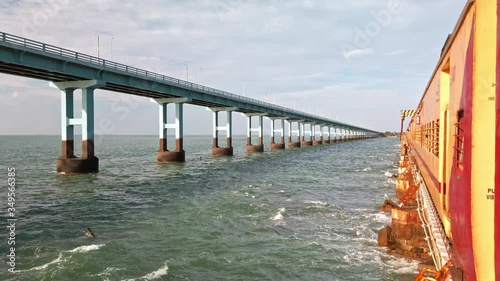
column 69, row 71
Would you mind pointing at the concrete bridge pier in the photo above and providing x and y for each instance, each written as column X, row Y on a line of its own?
column 327, row 133
column 291, row 131
column 281, row 145
column 228, row 150
column 259, row 147
column 164, row 155
column 319, row 140
column 306, row 142
column 68, row 163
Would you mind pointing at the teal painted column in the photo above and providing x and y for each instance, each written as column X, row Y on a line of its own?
column 228, row 150
column 281, row 131
column 88, row 123
column 260, row 130
column 177, row 155
column 67, row 129
column 68, row 163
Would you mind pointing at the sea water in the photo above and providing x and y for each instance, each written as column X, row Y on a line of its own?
column 303, row 214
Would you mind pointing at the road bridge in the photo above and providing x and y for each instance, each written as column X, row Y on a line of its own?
column 69, row 70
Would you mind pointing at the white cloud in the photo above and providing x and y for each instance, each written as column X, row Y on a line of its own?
column 357, row 53
column 283, row 48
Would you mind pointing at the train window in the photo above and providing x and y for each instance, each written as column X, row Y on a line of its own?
column 459, row 140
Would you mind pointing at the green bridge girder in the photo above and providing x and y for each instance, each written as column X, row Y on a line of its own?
column 28, row 58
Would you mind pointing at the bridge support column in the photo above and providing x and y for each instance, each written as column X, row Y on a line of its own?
column 291, row 143
column 281, row 145
column 327, row 133
column 317, row 141
column 178, row 155
column 250, row 147
column 68, row 163
column 228, row 150
column 304, row 132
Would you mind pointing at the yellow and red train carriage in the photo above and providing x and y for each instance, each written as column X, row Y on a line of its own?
column 455, row 138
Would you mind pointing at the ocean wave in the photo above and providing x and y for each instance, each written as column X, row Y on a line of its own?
column 279, row 215
column 155, row 275
column 84, row 249
column 363, row 170
column 62, row 257
column 315, row 202
column 44, row 266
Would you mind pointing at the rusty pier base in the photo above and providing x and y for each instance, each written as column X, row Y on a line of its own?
column 405, row 236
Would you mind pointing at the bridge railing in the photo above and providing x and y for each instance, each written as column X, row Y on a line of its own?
column 134, row 71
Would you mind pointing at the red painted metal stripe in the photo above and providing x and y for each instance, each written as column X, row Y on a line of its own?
column 460, row 178
column 497, row 156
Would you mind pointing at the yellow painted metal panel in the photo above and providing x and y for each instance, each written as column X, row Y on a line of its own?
column 483, row 138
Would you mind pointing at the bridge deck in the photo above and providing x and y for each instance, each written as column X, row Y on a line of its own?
column 28, row 58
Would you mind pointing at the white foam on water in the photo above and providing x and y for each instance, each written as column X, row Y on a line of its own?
column 155, row 275
column 315, row 202
column 381, row 217
column 44, row 266
column 389, row 174
column 84, row 249
column 279, row 215
column 107, row 272
column 61, row 258
column 402, row 266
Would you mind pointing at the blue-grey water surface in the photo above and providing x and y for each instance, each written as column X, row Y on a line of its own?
column 306, row 214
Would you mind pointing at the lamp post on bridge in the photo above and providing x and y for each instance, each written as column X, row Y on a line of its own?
column 187, row 72
column 112, row 37
column 200, row 68
column 98, row 47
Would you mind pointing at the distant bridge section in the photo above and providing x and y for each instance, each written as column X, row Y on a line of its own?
column 69, row 70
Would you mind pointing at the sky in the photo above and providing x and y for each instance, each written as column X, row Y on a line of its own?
column 357, row 61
